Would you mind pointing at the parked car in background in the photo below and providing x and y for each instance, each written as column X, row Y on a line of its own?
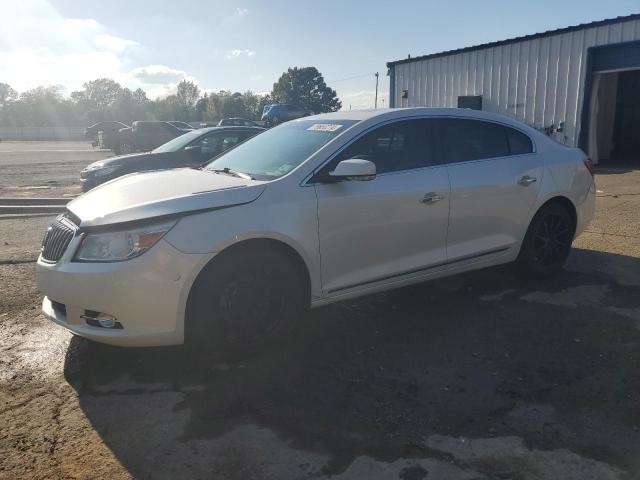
column 275, row 114
column 142, row 136
column 179, row 124
column 311, row 212
column 237, row 122
column 109, row 127
column 192, row 149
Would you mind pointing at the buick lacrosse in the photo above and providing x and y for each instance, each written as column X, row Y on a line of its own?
column 316, row 210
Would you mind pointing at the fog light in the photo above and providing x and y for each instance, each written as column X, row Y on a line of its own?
column 106, row 321
column 102, row 320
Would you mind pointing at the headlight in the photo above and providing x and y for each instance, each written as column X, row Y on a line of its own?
column 121, row 245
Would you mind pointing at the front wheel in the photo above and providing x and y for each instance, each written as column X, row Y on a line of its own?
column 125, row 148
column 547, row 243
column 243, row 302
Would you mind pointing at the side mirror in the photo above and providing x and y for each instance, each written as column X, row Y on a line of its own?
column 354, row 169
column 193, row 149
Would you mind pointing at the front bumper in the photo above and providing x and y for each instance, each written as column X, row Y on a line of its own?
column 88, row 183
column 147, row 295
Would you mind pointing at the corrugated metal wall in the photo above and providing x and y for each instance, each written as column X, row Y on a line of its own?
column 538, row 81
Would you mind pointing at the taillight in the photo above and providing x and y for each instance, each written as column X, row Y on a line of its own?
column 589, row 164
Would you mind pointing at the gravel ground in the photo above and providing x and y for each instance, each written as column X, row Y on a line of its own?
column 480, row 376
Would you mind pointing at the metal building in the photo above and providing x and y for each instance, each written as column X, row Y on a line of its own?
column 581, row 84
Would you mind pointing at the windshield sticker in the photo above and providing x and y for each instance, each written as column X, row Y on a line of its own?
column 325, row 127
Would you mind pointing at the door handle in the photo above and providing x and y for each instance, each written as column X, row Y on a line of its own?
column 431, row 197
column 526, row 181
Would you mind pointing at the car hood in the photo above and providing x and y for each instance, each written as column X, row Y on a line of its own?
column 140, row 196
column 122, row 160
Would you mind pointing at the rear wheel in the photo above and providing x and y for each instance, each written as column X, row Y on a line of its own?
column 547, row 242
column 243, row 302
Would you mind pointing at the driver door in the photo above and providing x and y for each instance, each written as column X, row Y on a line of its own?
column 394, row 225
column 211, row 146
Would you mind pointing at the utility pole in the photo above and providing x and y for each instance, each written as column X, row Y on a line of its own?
column 376, row 101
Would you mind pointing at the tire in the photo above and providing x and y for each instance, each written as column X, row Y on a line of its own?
column 243, row 302
column 125, row 148
column 547, row 243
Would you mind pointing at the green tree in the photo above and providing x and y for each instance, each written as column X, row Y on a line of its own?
column 42, row 107
column 102, row 93
column 187, row 93
column 97, row 99
column 7, row 94
column 306, row 88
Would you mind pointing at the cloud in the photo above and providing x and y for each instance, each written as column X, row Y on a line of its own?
column 157, row 80
column 157, row 74
column 38, row 46
column 233, row 54
column 107, row 42
column 241, row 12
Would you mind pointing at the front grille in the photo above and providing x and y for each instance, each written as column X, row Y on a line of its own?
column 57, row 238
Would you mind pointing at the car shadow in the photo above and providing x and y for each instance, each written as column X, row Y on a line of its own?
column 464, row 356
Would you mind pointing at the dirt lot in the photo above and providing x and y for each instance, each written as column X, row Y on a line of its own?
column 478, row 376
column 44, row 169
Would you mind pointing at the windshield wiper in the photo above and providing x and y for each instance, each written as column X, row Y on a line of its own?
column 228, row 171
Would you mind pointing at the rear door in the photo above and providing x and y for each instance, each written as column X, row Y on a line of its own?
column 391, row 226
column 495, row 180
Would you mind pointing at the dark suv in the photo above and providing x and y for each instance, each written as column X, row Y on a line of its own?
column 282, row 112
column 142, row 136
column 109, row 127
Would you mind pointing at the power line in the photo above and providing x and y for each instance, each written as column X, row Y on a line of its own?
column 351, row 78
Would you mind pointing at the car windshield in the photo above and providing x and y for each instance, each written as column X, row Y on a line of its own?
column 276, row 152
column 178, row 142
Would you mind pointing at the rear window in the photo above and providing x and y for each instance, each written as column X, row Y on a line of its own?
column 519, row 143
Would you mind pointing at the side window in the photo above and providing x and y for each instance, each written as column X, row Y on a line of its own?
column 519, row 143
column 230, row 141
column 466, row 140
column 398, row 146
column 213, row 145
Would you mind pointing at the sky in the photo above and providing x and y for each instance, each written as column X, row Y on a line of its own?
column 247, row 44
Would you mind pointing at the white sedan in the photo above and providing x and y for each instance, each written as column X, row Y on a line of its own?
column 314, row 211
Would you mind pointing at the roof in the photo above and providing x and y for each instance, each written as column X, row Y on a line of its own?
column 347, row 115
column 508, row 41
column 228, row 128
column 421, row 112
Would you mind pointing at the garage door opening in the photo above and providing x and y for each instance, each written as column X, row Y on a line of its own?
column 614, row 130
column 625, row 147
column 611, row 110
